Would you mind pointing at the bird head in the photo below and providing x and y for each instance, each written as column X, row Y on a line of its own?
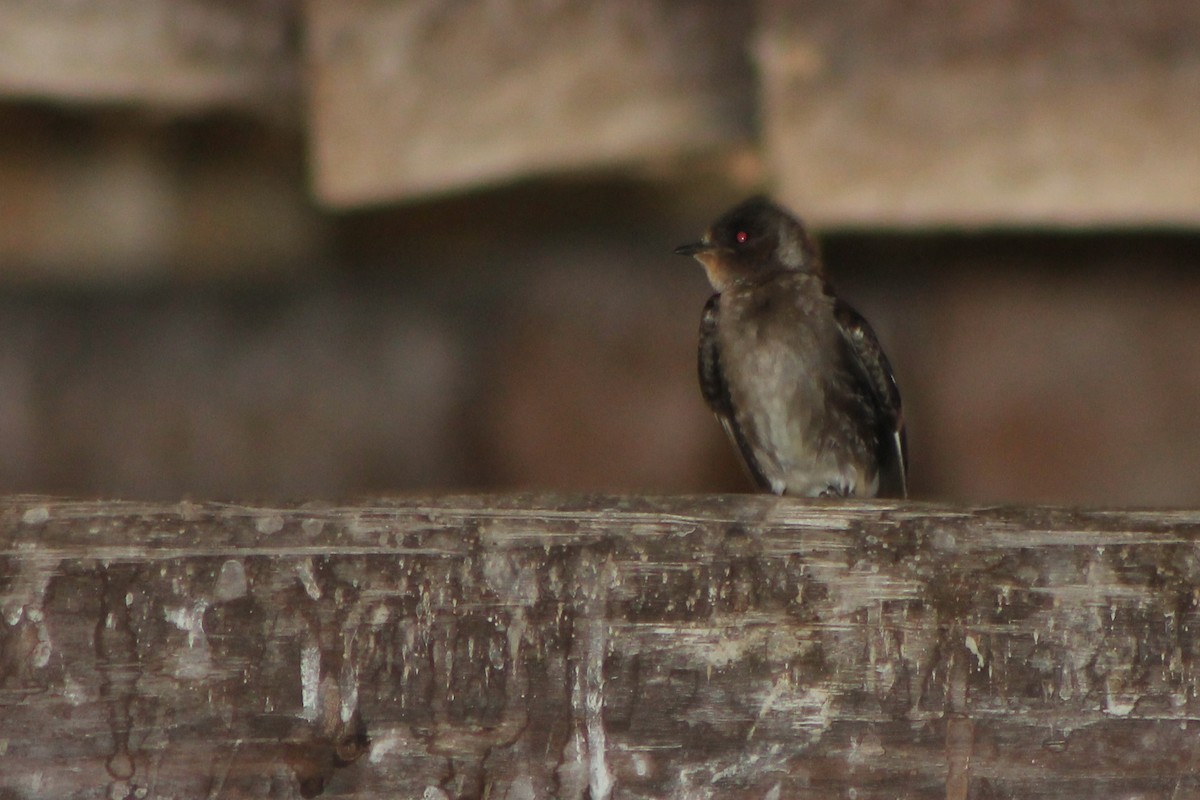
column 752, row 241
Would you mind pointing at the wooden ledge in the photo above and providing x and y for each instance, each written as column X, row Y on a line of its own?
column 541, row 646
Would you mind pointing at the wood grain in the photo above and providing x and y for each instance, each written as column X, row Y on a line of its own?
column 625, row 647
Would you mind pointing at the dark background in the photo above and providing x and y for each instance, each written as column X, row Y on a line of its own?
column 191, row 306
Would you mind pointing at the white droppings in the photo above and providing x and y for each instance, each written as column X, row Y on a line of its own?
column 865, row 750
column 943, row 540
column 310, row 680
column 41, row 650
column 184, row 619
column 35, row 783
column 383, row 745
column 1119, row 706
column 74, row 692
column 36, row 515
column 973, row 646
column 571, row 772
column 767, row 702
column 25, row 600
column 434, row 793
column 271, row 523
column 725, row 651
column 521, row 789
column 231, row 582
column 349, row 690
column 308, row 579
column 600, row 779
column 594, row 638
column 774, row 792
column 195, row 661
column 518, row 587
column 312, row 527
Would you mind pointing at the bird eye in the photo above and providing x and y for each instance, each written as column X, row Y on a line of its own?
column 741, row 237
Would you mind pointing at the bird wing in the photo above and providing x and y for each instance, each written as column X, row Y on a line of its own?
column 876, row 374
column 716, row 392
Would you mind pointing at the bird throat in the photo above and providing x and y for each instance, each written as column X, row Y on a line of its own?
column 720, row 273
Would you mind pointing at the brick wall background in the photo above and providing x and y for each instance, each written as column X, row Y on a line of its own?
column 285, row 250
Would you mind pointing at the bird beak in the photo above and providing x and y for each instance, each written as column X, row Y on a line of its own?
column 710, row 257
column 695, row 248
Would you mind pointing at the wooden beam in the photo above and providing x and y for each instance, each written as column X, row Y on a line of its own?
column 983, row 114
column 525, row 646
column 415, row 98
column 175, row 55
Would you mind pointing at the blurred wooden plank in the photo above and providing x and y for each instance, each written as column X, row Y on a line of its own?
column 411, row 98
column 103, row 198
column 182, row 55
column 732, row 646
column 984, row 113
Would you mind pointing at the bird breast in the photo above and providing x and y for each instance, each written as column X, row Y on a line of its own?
column 778, row 348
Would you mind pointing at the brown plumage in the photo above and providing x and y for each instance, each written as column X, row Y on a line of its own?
column 794, row 374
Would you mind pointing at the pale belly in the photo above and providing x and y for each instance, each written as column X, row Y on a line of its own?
column 782, row 384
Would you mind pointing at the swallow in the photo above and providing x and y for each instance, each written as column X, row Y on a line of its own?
column 794, row 374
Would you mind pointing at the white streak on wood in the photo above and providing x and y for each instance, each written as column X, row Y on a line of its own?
column 36, row 515
column 231, row 583
column 308, row 579
column 348, row 690
column 269, row 523
column 600, row 780
column 193, row 662
column 25, row 599
column 310, row 679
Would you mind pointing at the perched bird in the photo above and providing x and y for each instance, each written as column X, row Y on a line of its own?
column 794, row 374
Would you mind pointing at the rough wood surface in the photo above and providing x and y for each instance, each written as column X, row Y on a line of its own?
column 416, row 98
column 178, row 55
column 528, row 647
column 983, row 113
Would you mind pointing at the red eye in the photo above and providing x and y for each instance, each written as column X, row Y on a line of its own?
column 741, row 237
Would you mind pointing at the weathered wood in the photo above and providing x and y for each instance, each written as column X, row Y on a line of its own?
column 180, row 55
column 527, row 647
column 983, row 113
column 413, row 98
